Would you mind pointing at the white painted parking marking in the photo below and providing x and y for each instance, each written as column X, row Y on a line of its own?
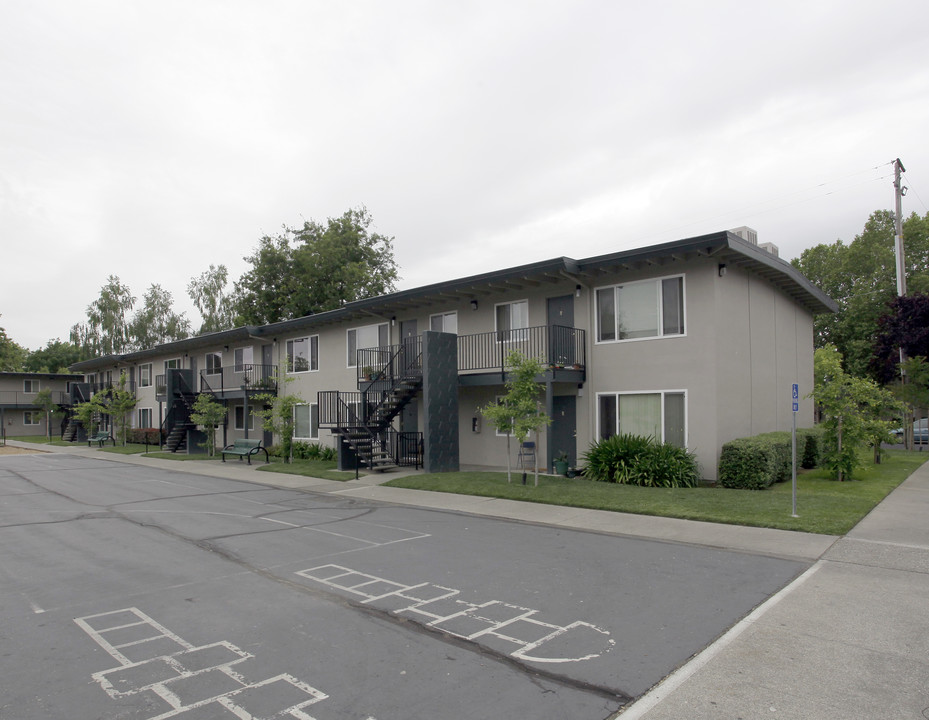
column 439, row 606
column 188, row 677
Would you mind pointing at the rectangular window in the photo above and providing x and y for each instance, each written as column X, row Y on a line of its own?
column 31, row 418
column 174, row 364
column 306, row 421
column 145, row 418
column 660, row 415
column 369, row 336
column 213, row 362
column 240, row 418
column 243, row 359
column 145, row 375
column 444, row 322
column 303, row 354
column 511, row 318
column 645, row 309
column 30, row 386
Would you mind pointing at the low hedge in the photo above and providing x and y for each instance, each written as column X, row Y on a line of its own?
column 757, row 462
column 142, row 435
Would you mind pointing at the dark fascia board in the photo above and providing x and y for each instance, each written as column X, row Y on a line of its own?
column 727, row 247
column 223, row 337
column 48, row 376
column 724, row 245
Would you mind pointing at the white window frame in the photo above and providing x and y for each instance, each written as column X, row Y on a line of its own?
column 309, row 421
column 31, row 418
column 151, row 417
column 235, row 417
column 514, row 337
column 312, row 344
column 217, row 370
column 499, row 433
column 239, row 366
column 351, row 353
column 659, row 300
column 142, row 374
column 661, row 393
column 175, row 366
column 444, row 321
column 31, row 386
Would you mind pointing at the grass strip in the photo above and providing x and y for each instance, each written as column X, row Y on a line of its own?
column 323, row 469
column 824, row 506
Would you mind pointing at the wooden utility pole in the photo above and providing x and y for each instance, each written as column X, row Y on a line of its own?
column 899, row 192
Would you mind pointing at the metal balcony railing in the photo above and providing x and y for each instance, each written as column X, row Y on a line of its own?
column 555, row 346
column 247, row 377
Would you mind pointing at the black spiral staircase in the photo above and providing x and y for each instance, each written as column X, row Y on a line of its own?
column 177, row 423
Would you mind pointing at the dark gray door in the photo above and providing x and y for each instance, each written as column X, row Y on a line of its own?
column 564, row 427
column 561, row 333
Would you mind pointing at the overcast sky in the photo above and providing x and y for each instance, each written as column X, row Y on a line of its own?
column 150, row 139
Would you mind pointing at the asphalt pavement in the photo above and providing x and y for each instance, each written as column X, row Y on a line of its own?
column 849, row 638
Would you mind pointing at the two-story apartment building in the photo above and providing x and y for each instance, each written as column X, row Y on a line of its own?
column 19, row 415
column 696, row 342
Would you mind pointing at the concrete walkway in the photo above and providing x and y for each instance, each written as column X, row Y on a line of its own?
column 848, row 639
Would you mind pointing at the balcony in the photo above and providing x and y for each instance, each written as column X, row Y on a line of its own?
column 561, row 350
column 12, row 399
column 234, row 381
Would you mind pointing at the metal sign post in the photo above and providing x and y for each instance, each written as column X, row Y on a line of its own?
column 795, row 406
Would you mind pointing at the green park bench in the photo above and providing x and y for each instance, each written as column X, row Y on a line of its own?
column 245, row 448
column 100, row 438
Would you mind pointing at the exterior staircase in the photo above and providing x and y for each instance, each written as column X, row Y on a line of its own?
column 388, row 380
column 177, row 421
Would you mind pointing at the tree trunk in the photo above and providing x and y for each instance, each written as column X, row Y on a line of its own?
column 509, row 477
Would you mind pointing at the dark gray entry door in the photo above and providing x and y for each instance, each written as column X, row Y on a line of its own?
column 564, row 427
column 561, row 333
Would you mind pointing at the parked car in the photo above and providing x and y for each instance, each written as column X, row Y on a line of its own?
column 920, row 432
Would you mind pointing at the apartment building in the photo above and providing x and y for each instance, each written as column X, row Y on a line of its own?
column 695, row 342
column 19, row 415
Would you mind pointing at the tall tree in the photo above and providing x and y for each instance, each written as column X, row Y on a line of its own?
column 861, row 278
column 12, row 355
column 46, row 403
column 55, row 357
column 208, row 292
column 156, row 322
column 107, row 330
column 318, row 267
column 904, row 326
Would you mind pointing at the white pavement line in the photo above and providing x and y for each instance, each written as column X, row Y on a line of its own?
column 909, row 546
column 641, row 707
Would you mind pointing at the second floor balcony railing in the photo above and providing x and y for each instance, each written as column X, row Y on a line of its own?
column 247, row 377
column 555, row 346
column 16, row 398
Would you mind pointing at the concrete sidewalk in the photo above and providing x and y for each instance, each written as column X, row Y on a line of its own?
column 848, row 639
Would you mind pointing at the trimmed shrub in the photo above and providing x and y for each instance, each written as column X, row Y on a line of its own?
column 754, row 463
column 140, row 435
column 637, row 460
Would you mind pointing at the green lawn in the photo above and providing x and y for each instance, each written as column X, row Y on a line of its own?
column 176, row 456
column 324, row 469
column 37, row 439
column 824, row 506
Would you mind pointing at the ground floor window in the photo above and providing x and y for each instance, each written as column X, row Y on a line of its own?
column 31, row 417
column 145, row 418
column 661, row 415
column 306, row 421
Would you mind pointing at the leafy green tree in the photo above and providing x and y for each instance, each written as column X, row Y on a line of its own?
column 861, row 278
column 88, row 413
column 12, row 355
column 208, row 413
column 855, row 412
column 208, row 292
column 43, row 400
column 156, row 322
column 108, row 327
column 277, row 417
column 55, row 357
column 519, row 411
column 905, row 326
column 118, row 402
column 315, row 268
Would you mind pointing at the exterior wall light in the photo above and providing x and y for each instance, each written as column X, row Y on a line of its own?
column 722, row 269
column 474, row 304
